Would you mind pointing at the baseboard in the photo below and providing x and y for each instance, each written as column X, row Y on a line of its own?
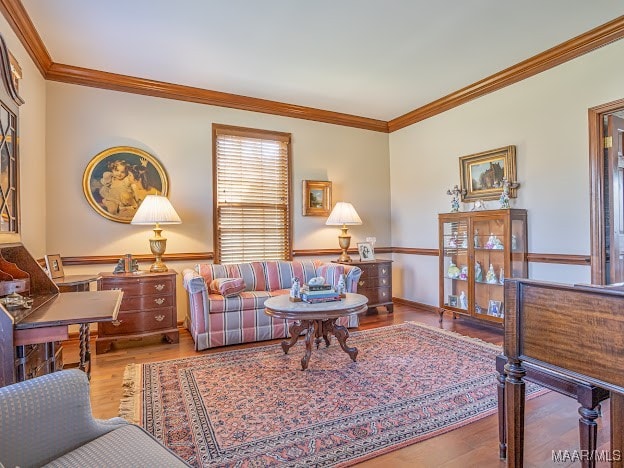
column 417, row 305
column 75, row 335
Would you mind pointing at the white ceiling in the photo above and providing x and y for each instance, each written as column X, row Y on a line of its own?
column 377, row 59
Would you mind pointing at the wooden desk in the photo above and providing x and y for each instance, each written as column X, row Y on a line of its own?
column 573, row 331
column 75, row 283
column 50, row 321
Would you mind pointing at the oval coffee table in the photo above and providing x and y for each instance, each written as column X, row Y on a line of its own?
column 318, row 319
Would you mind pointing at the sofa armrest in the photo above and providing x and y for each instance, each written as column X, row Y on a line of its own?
column 193, row 281
column 46, row 417
column 352, row 274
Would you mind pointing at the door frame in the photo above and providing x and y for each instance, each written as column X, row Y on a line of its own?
column 596, row 187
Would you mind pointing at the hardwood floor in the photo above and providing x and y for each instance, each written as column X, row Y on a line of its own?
column 551, row 419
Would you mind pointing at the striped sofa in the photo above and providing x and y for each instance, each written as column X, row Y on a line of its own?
column 215, row 320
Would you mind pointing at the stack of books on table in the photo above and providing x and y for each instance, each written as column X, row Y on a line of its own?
column 319, row 293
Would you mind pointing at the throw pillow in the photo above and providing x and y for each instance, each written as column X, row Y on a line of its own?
column 227, row 287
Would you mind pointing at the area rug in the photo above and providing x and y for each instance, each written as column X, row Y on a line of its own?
column 255, row 407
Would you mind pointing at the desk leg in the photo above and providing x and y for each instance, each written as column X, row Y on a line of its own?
column 514, row 413
column 85, row 349
column 617, row 429
column 502, row 436
column 588, row 432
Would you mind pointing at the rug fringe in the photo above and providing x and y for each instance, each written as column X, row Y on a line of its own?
column 129, row 405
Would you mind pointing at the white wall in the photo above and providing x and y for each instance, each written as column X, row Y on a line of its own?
column 83, row 121
column 545, row 116
column 31, row 147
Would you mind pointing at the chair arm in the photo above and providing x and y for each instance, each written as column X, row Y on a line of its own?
column 352, row 274
column 193, row 281
column 46, row 417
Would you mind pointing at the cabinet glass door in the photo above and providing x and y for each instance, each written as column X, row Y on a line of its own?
column 455, row 272
column 489, row 267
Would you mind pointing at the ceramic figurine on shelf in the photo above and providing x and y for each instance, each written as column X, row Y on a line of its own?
column 464, row 243
column 463, row 274
column 463, row 300
column 453, row 271
column 341, row 287
column 490, row 276
column 501, row 276
column 478, row 273
column 490, row 242
column 455, row 193
column 498, row 245
column 514, row 242
column 504, row 196
column 476, row 239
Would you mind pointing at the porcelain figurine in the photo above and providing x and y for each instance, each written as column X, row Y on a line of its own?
column 501, row 276
column 490, row 242
column 504, row 196
column 453, row 271
column 463, row 300
column 463, row 273
column 498, row 245
column 453, row 240
column 341, row 287
column 476, row 239
column 465, row 243
column 295, row 289
column 490, row 276
column 478, row 273
column 455, row 192
column 514, row 242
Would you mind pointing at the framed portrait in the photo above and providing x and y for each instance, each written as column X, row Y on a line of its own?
column 482, row 174
column 54, row 264
column 495, row 308
column 366, row 251
column 453, row 301
column 316, row 197
column 117, row 180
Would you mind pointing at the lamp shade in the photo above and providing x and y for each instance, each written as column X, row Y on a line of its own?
column 156, row 209
column 343, row 213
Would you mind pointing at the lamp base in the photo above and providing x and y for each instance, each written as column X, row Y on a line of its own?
column 344, row 240
column 158, row 245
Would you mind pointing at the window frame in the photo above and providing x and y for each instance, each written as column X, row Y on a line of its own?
column 259, row 134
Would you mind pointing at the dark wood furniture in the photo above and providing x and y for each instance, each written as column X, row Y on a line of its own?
column 317, row 320
column 375, row 282
column 30, row 338
column 572, row 331
column 75, row 283
column 148, row 307
column 472, row 244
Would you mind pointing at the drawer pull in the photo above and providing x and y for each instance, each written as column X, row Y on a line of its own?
column 116, row 289
column 159, row 287
column 361, row 283
column 383, row 270
column 159, row 301
column 384, row 294
column 384, row 281
column 116, row 323
column 159, row 318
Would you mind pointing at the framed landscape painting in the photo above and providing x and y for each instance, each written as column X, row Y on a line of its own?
column 482, row 174
column 117, row 180
column 316, row 197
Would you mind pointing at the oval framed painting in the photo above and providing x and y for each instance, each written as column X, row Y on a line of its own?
column 117, row 180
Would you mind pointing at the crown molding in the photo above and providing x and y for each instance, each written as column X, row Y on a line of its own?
column 15, row 13
column 571, row 49
column 99, row 79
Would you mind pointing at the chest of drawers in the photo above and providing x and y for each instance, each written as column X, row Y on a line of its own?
column 376, row 283
column 148, row 308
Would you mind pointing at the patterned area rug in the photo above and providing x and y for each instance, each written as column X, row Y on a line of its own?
column 255, row 407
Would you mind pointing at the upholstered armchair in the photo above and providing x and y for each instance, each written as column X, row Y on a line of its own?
column 48, row 421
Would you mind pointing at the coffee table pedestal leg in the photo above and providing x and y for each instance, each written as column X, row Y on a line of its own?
column 341, row 333
column 295, row 330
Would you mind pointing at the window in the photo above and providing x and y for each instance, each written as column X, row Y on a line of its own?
column 251, row 170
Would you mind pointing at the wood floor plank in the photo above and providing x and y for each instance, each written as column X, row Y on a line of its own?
column 551, row 419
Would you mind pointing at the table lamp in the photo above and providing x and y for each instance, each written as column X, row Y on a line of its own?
column 157, row 210
column 343, row 214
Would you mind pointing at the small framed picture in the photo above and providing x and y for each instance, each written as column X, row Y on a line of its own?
column 495, row 308
column 365, row 249
column 453, row 301
column 316, row 197
column 54, row 264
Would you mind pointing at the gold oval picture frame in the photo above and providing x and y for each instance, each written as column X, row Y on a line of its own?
column 117, row 180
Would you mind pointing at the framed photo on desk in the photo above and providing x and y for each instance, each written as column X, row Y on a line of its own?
column 54, row 264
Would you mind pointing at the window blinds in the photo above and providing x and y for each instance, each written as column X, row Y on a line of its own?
column 252, row 194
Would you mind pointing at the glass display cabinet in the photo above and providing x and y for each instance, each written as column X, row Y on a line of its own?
column 478, row 250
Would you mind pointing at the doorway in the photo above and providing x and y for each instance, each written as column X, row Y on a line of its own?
column 606, row 145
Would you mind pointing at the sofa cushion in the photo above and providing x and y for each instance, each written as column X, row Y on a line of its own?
column 227, row 286
column 280, row 273
column 247, row 300
column 127, row 446
column 252, row 273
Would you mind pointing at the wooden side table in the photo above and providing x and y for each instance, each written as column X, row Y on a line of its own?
column 148, row 308
column 375, row 282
